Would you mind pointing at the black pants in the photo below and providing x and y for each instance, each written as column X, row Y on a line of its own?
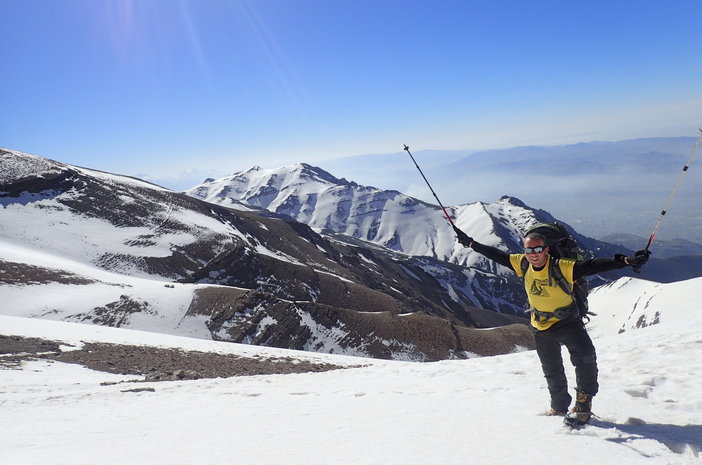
column 582, row 355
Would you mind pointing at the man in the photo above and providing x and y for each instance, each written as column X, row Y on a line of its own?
column 553, row 320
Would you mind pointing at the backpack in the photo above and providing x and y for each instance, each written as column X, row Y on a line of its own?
column 562, row 245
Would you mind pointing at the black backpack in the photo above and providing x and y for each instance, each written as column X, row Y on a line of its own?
column 562, row 245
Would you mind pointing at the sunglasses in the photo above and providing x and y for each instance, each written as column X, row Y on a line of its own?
column 537, row 249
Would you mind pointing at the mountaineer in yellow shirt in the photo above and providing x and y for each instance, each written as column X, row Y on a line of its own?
column 554, row 319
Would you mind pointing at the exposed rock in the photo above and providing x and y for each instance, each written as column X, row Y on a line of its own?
column 152, row 363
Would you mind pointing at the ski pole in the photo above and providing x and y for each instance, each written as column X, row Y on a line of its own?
column 432, row 190
column 652, row 237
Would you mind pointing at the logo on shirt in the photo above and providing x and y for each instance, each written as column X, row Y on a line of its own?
column 538, row 287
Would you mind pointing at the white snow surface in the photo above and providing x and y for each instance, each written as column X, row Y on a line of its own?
column 166, row 307
column 477, row 411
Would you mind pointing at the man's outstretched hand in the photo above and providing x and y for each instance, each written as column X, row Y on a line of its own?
column 639, row 259
column 463, row 238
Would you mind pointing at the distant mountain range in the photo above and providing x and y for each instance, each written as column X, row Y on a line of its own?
column 662, row 248
column 600, row 188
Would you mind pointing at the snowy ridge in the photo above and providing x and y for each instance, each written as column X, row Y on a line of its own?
column 315, row 197
column 20, row 165
column 100, row 218
column 387, row 218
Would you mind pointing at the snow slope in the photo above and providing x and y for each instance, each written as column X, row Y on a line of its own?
column 164, row 308
column 478, row 411
column 37, row 284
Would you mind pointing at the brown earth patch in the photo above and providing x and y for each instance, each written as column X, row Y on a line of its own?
column 153, row 363
column 25, row 275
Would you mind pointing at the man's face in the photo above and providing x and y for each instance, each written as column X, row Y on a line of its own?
column 538, row 259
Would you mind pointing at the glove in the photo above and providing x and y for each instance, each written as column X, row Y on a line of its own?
column 639, row 259
column 462, row 237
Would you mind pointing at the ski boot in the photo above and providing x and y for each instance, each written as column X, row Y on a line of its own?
column 581, row 413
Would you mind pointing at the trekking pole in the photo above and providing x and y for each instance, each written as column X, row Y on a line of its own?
column 652, row 237
column 432, row 190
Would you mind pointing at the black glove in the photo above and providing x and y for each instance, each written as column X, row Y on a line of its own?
column 639, row 259
column 462, row 237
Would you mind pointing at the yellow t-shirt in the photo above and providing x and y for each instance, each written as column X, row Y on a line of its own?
column 543, row 292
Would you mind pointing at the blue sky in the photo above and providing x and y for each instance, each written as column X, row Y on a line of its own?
column 156, row 87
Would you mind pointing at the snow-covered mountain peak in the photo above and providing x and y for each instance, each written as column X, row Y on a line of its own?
column 510, row 200
column 261, row 188
column 291, row 174
column 315, row 197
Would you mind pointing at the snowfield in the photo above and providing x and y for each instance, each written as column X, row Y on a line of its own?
column 477, row 411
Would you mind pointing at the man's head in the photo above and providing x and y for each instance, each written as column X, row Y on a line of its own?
column 535, row 249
